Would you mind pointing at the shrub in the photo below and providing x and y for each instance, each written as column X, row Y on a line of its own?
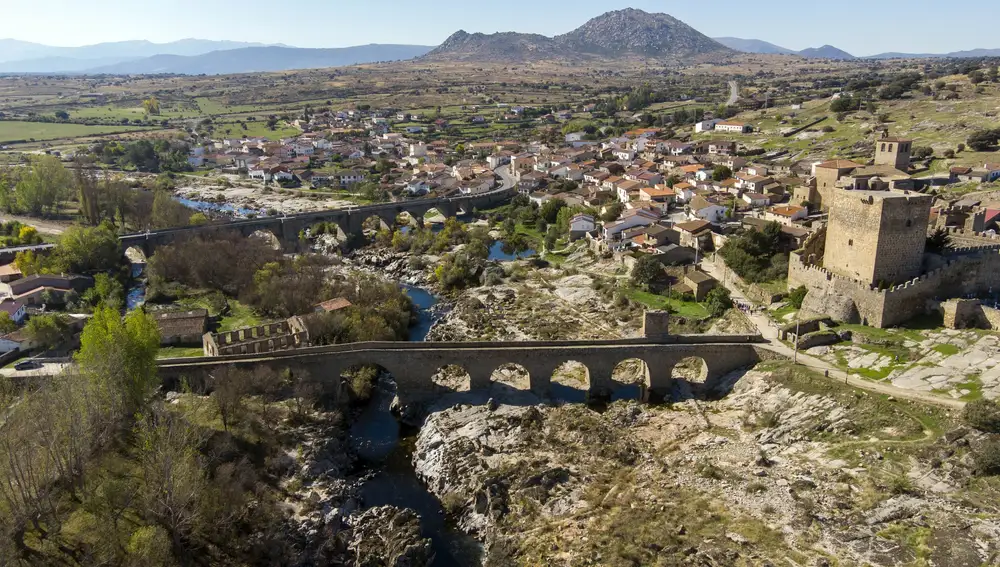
column 987, row 458
column 797, row 296
column 984, row 415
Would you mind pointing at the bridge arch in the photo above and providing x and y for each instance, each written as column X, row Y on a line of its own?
column 571, row 382
column 690, row 376
column 511, row 375
column 273, row 240
column 451, row 378
column 630, row 380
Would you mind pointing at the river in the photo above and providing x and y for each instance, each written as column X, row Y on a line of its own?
column 387, row 446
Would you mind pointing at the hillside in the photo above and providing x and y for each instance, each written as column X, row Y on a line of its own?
column 826, row 52
column 263, row 59
column 614, row 34
column 753, row 46
column 498, row 46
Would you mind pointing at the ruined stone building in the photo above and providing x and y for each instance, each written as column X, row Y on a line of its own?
column 271, row 337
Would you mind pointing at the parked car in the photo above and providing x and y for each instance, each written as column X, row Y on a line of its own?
column 27, row 365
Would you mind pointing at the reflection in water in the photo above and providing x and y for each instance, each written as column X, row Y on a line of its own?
column 497, row 253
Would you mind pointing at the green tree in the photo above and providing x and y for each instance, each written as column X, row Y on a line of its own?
column 120, row 355
column 550, row 210
column 647, row 270
column 152, row 106
column 718, row 301
column 983, row 140
column 612, row 212
column 7, row 324
column 107, row 291
column 721, row 173
column 42, row 186
column 48, row 330
column 87, row 249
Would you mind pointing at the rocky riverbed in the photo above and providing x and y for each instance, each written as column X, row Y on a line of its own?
column 780, row 470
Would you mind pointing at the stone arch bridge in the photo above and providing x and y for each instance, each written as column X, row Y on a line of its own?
column 350, row 220
column 413, row 364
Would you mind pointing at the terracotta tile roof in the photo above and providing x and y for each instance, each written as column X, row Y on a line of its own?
column 839, row 164
column 694, row 227
column 333, row 304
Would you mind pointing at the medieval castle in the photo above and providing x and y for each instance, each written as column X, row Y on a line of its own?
column 870, row 264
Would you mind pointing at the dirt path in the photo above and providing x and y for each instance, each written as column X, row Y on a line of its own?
column 769, row 331
column 54, row 227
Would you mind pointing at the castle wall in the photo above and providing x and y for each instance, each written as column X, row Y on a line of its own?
column 877, row 239
column 850, row 301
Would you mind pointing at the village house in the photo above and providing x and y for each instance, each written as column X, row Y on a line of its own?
column 34, row 290
column 628, row 190
column 736, row 127
column 786, row 214
column 15, row 309
column 697, row 283
column 701, row 208
column 683, row 192
column 706, row 125
column 721, row 148
column 580, row 226
column 661, row 196
column 756, row 199
column 695, row 234
column 631, row 219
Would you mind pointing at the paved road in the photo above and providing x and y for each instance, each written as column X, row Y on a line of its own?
column 734, row 93
column 769, row 330
column 505, row 175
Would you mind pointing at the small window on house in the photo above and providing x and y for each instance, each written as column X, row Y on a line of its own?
column 890, row 147
column 883, row 147
column 850, row 242
column 909, row 223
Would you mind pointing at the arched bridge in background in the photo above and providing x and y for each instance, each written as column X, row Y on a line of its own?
column 413, row 365
column 350, row 220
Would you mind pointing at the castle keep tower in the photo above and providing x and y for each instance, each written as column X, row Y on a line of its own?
column 877, row 237
column 895, row 152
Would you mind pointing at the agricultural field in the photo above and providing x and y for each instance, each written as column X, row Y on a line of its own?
column 11, row 131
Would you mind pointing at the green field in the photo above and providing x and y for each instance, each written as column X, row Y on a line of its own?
column 686, row 309
column 11, row 131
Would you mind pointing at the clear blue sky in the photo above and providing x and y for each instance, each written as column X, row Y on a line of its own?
column 862, row 27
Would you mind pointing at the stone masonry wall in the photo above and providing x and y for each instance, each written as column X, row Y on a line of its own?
column 877, row 238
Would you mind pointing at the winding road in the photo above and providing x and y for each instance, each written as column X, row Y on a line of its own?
column 734, row 93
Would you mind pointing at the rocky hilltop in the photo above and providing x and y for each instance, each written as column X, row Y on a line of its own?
column 620, row 33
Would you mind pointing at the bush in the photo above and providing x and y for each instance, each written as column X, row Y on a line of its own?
column 983, row 415
column 718, row 301
column 797, row 296
column 987, row 458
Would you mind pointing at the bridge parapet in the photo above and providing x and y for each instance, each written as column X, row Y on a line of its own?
column 414, row 364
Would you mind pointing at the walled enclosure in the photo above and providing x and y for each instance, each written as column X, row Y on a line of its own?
column 414, row 364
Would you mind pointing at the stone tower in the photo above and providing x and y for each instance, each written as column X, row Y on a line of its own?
column 895, row 152
column 877, row 237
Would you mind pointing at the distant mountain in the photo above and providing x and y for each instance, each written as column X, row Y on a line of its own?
column 825, row 52
column 632, row 31
column 58, row 64
column 614, row 34
column 953, row 54
column 14, row 50
column 37, row 58
column 262, row 59
column 753, row 46
column 496, row 46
